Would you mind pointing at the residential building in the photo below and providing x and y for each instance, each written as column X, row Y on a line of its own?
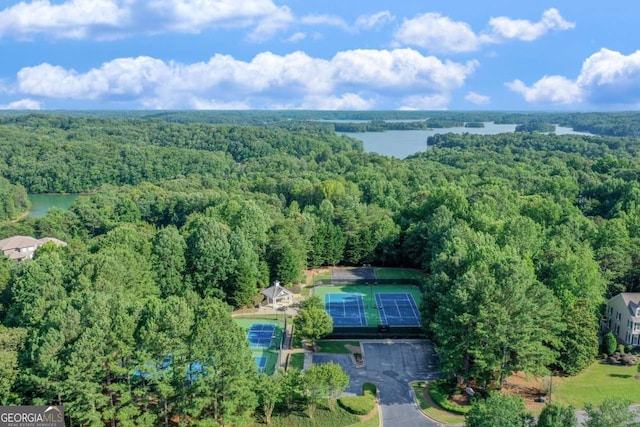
column 20, row 248
column 622, row 317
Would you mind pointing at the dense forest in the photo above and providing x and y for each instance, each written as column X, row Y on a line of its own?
column 521, row 237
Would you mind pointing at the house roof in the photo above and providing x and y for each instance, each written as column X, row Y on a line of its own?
column 23, row 247
column 632, row 301
column 17, row 242
column 276, row 291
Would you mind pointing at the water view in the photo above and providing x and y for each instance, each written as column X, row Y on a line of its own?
column 403, row 143
column 41, row 203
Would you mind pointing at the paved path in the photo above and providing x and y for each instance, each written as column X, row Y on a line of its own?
column 391, row 365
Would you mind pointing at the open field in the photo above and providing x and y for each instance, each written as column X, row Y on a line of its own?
column 598, row 382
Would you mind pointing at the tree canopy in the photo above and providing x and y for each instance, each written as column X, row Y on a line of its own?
column 183, row 217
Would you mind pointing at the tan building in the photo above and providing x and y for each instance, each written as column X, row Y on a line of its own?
column 20, row 248
column 622, row 317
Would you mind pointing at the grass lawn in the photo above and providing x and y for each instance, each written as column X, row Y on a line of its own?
column 305, row 291
column 596, row 383
column 313, row 275
column 336, row 347
column 296, row 360
column 399, row 273
column 369, row 421
column 431, row 409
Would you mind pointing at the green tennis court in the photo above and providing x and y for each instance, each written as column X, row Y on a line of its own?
column 378, row 304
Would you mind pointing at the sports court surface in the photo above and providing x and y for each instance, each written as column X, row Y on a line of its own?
column 362, row 273
column 261, row 334
column 398, row 309
column 261, row 362
column 371, row 305
column 264, row 336
column 346, row 309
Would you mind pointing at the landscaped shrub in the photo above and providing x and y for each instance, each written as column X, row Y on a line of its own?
column 437, row 391
column 368, row 388
column 360, row 405
column 609, row 343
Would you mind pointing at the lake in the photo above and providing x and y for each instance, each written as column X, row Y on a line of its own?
column 403, row 143
column 41, row 203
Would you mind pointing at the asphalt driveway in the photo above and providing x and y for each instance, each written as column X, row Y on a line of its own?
column 391, row 365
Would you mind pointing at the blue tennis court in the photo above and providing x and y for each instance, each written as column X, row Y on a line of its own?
column 260, row 335
column 261, row 362
column 398, row 309
column 346, row 309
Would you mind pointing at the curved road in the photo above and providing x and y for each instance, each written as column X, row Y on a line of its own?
column 391, row 365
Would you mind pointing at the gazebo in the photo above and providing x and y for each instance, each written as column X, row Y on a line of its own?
column 277, row 294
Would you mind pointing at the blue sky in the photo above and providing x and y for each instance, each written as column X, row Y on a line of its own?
column 303, row 54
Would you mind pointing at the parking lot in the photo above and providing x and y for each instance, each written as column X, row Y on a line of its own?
column 391, row 365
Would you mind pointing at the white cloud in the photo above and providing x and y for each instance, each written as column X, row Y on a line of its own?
column 348, row 101
column 23, row 104
column 329, row 20
column 350, row 79
column 296, row 37
column 375, row 20
column 549, row 89
column 426, row 102
column 505, row 28
column 192, row 15
column 71, row 19
column 606, row 77
column 399, row 68
column 476, row 98
column 271, row 24
column 120, row 77
column 120, row 18
column 608, row 67
column 212, row 104
column 437, row 33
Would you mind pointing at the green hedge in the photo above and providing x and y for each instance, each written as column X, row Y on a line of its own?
column 368, row 388
column 323, row 417
column 360, row 405
column 441, row 398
